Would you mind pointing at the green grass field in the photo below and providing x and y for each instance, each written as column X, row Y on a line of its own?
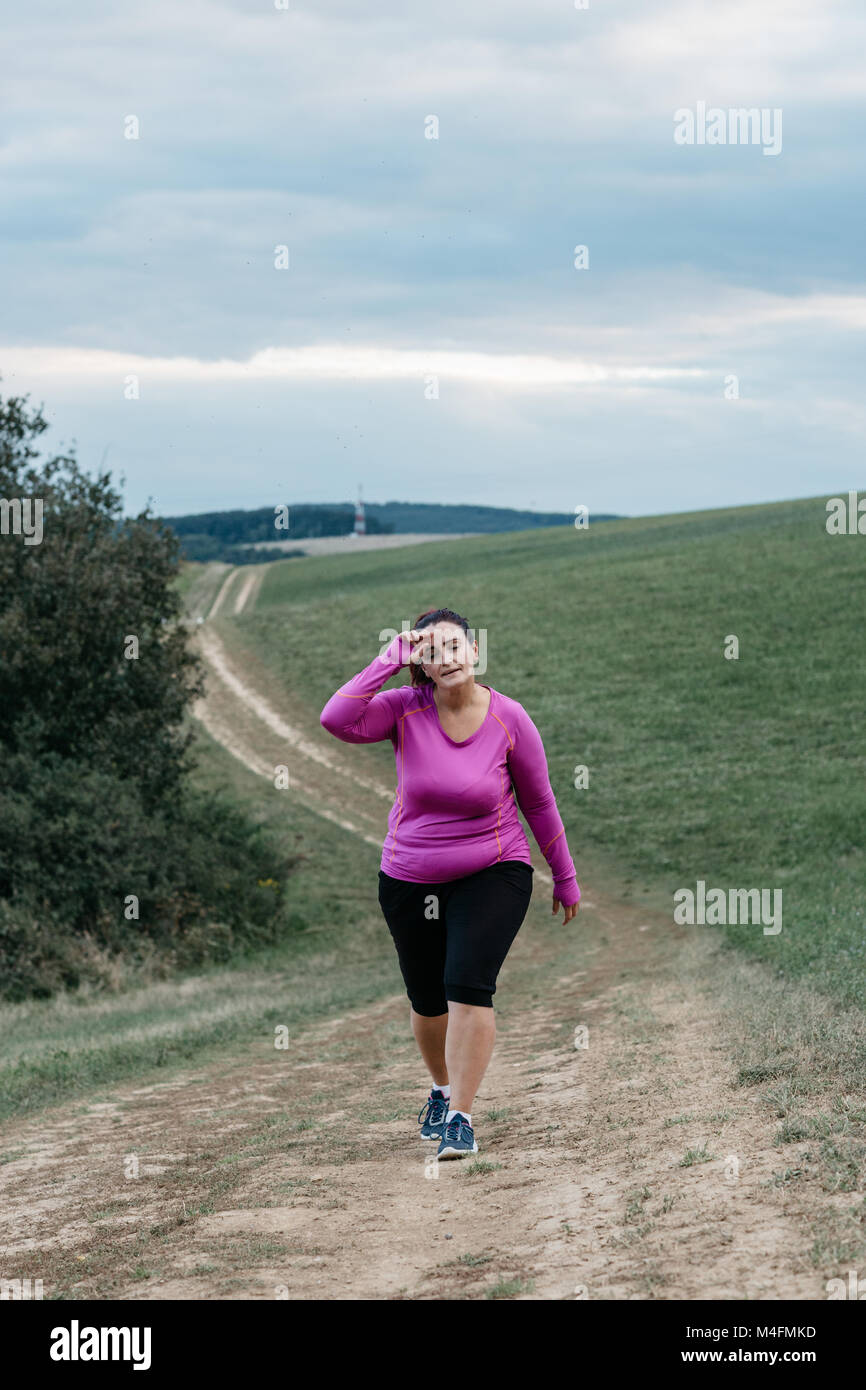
column 744, row 773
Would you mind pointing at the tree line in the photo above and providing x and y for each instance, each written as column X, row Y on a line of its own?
column 107, row 849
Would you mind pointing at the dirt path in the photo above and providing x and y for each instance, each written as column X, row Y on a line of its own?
column 628, row 1166
column 300, row 1173
column 251, row 584
column 360, row 545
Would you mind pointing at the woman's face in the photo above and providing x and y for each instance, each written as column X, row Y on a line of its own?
column 452, row 654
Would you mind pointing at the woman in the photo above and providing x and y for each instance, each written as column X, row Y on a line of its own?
column 456, row 874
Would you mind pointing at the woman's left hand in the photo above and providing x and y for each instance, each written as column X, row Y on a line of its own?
column 569, row 910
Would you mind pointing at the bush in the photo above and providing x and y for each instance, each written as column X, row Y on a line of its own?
column 106, row 853
column 206, row 881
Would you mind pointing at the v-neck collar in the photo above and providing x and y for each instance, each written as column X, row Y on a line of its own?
column 461, row 743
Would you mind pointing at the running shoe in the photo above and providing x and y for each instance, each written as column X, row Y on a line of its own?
column 458, row 1139
column 432, row 1115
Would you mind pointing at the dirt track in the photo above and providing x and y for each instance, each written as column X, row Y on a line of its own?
column 585, row 1187
column 586, row 1196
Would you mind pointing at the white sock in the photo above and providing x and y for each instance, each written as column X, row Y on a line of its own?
column 452, row 1113
column 446, row 1089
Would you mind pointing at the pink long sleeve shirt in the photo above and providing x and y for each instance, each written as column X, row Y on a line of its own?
column 454, row 811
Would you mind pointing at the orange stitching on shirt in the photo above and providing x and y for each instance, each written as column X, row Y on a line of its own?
column 507, row 734
column 502, row 802
column 511, row 789
column 556, row 837
column 499, row 821
column 419, row 710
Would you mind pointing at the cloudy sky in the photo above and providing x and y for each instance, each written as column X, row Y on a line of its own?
column 431, row 336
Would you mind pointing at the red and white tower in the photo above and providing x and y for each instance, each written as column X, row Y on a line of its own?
column 360, row 527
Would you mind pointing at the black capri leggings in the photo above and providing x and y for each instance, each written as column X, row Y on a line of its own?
column 452, row 937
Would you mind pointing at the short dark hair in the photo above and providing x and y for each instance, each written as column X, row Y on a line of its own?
column 429, row 619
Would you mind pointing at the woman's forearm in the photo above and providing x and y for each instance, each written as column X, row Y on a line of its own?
column 529, row 773
column 357, row 712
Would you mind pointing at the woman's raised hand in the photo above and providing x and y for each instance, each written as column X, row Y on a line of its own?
column 417, row 641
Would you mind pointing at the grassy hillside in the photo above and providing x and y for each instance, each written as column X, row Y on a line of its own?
column 746, row 773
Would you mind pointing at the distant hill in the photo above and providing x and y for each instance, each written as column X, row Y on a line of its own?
column 227, row 535
column 436, row 518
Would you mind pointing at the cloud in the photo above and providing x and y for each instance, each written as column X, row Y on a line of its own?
column 330, row 362
column 451, row 257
